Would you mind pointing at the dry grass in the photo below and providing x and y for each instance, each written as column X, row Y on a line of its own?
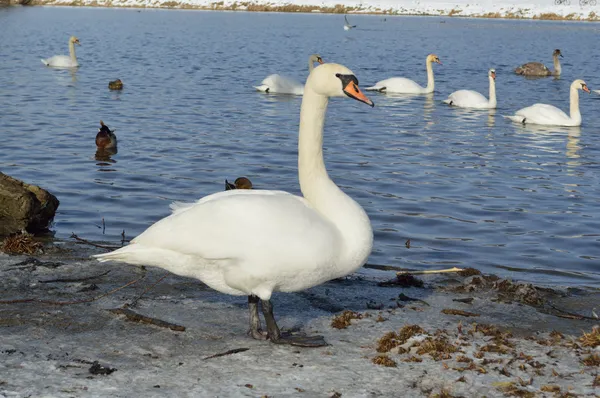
column 384, row 360
column 343, row 320
column 454, row 11
column 22, row 243
column 510, row 388
column 591, row 360
column 591, row 339
column 392, row 339
column 550, row 388
column 443, row 394
column 412, row 358
column 596, row 382
column 439, row 348
column 491, row 15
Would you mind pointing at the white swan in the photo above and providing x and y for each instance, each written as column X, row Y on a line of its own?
column 285, row 85
column 62, row 61
column 551, row 115
column 255, row 242
column 347, row 25
column 473, row 99
column 403, row 85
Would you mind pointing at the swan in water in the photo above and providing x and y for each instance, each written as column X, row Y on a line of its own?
column 256, row 242
column 239, row 183
column 539, row 69
column 285, row 85
column 550, row 115
column 473, row 99
column 106, row 138
column 62, row 61
column 403, row 85
column 347, row 25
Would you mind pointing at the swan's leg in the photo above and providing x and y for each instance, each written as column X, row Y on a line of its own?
column 275, row 334
column 255, row 330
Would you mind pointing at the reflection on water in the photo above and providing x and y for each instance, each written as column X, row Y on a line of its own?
column 467, row 187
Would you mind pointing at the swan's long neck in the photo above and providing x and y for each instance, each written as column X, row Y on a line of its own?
column 311, row 65
column 557, row 68
column 430, row 83
column 342, row 211
column 72, row 51
column 574, row 99
column 493, row 102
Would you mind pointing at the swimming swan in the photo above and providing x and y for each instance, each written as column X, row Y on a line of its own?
column 472, row 99
column 255, row 242
column 550, row 115
column 539, row 69
column 62, row 61
column 285, row 85
column 406, row 86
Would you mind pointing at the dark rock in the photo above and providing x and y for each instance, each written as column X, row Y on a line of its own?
column 24, row 207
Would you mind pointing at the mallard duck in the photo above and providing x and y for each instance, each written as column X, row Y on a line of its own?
column 239, row 183
column 106, row 137
column 115, row 85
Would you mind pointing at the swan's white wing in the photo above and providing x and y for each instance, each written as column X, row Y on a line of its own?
column 254, row 225
column 543, row 114
column 60, row 61
column 397, row 85
column 281, row 84
column 467, row 99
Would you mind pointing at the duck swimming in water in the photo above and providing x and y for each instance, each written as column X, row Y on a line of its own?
column 239, row 183
column 106, row 137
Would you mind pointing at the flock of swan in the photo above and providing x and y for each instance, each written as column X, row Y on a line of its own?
column 542, row 114
column 255, row 242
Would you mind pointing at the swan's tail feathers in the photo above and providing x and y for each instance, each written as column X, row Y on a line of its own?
column 180, row 207
column 137, row 254
column 124, row 254
column 516, row 118
column 45, row 62
column 263, row 87
column 447, row 101
column 381, row 89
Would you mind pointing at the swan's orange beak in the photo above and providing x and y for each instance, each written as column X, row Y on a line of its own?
column 494, row 75
column 585, row 88
column 352, row 91
column 320, row 60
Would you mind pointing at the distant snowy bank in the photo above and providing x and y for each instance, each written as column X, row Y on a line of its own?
column 546, row 9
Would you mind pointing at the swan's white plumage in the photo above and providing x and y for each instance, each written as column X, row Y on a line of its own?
column 280, row 84
column 467, row 99
column 64, row 61
column 550, row 115
column 402, row 85
column 473, row 99
column 285, row 85
column 254, row 242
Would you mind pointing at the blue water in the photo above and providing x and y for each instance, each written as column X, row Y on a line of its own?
column 468, row 188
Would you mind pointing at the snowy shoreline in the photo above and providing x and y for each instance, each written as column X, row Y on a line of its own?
column 570, row 10
column 470, row 335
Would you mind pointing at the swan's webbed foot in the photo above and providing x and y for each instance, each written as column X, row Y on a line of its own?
column 255, row 330
column 301, row 340
column 277, row 338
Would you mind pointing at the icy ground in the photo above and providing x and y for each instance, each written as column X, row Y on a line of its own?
column 49, row 350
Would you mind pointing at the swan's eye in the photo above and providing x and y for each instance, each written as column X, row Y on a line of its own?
column 338, row 75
